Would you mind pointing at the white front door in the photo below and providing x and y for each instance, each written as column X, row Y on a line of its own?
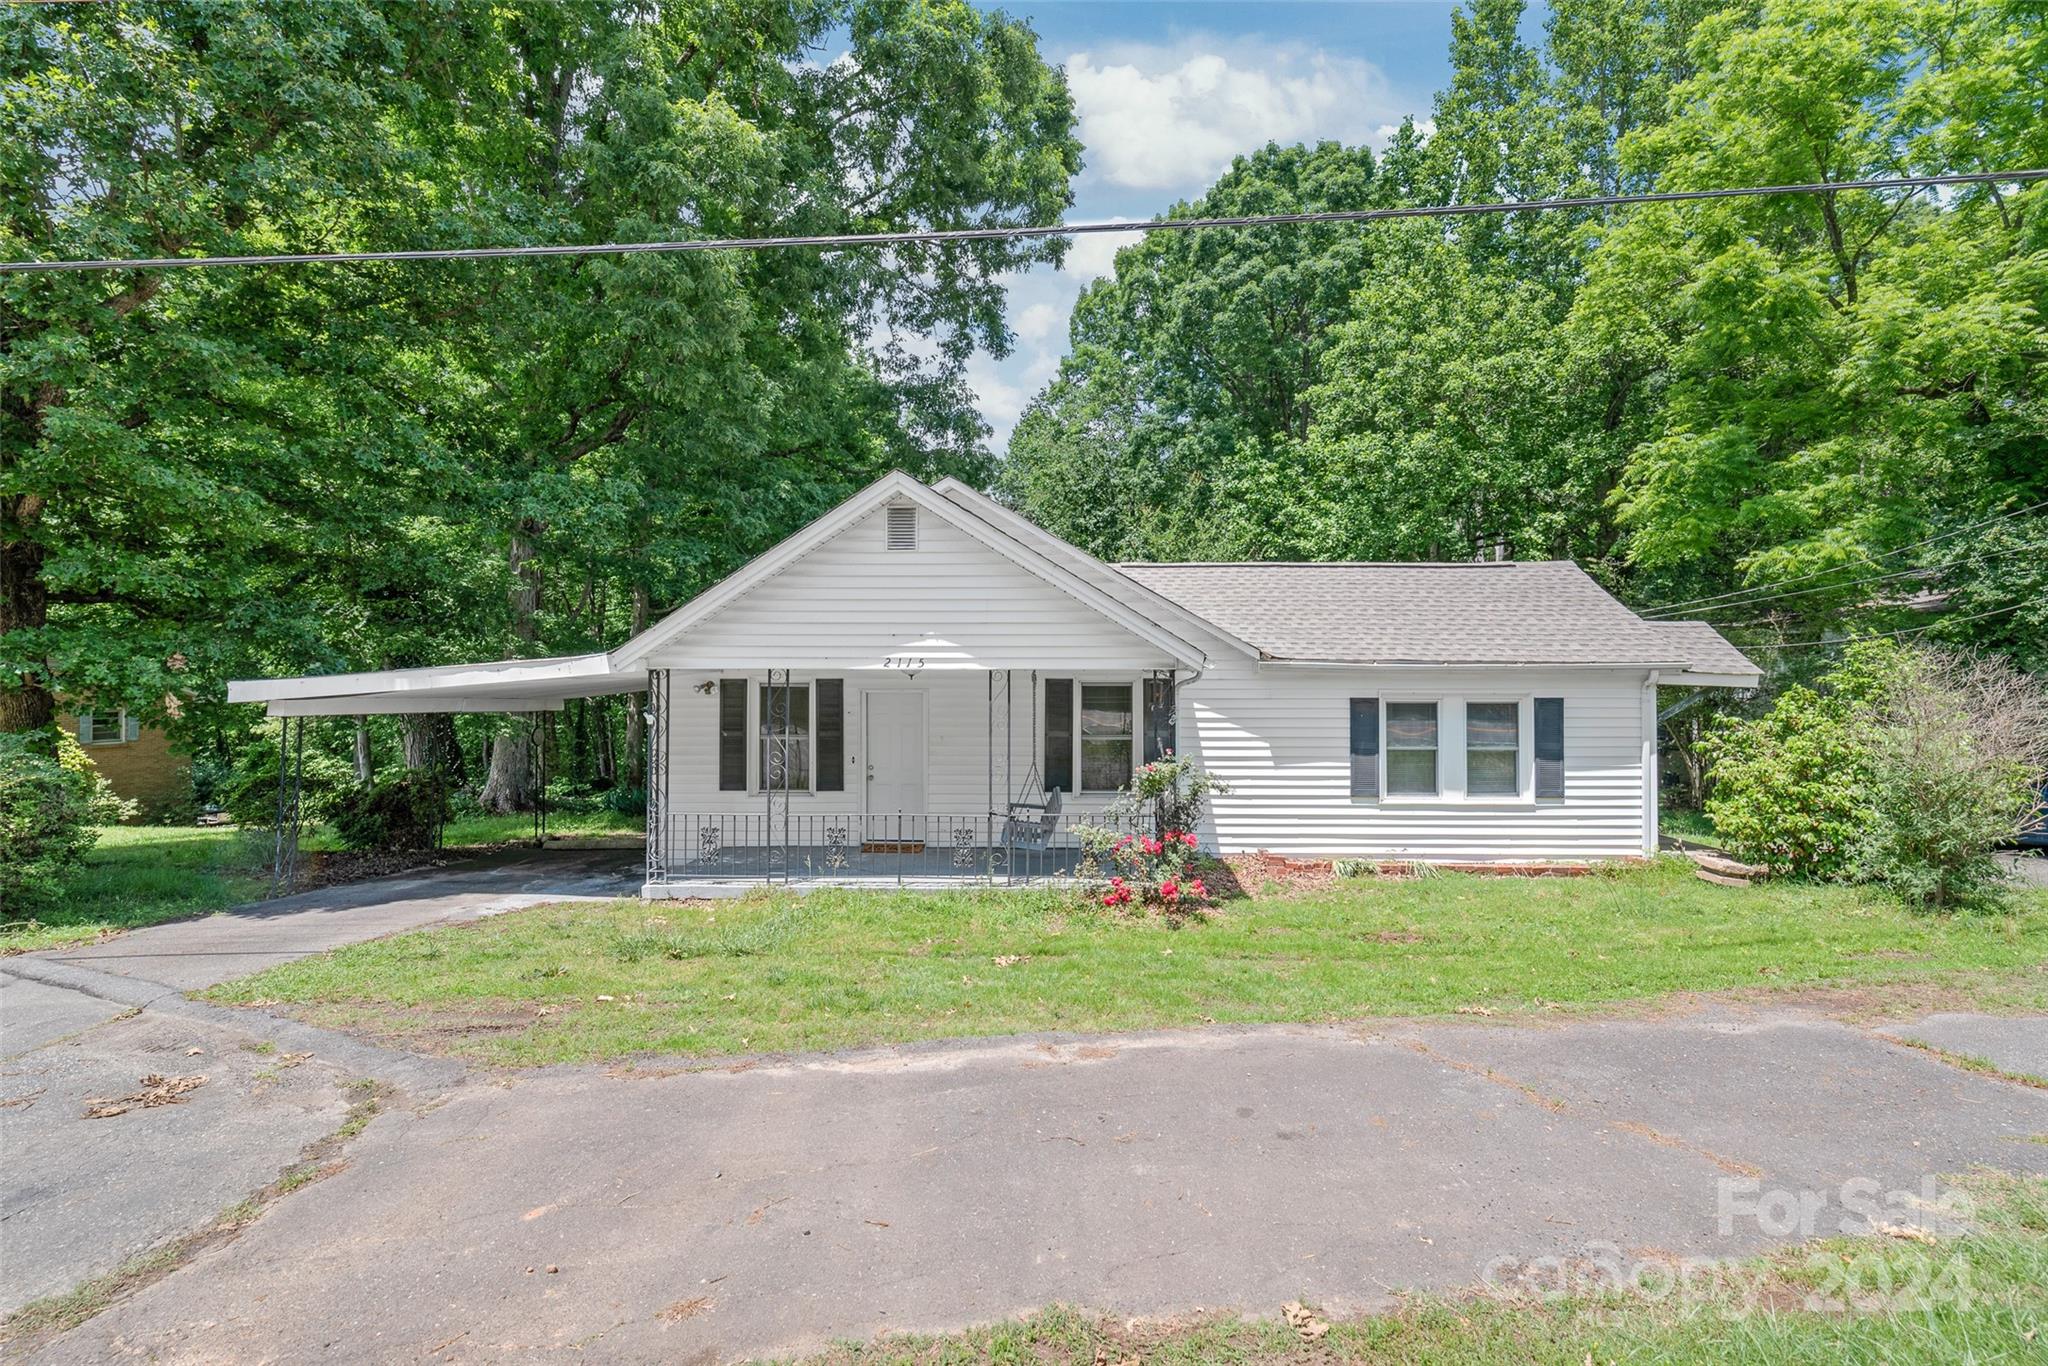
column 895, row 761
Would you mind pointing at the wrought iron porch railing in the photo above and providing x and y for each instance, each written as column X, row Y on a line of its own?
column 979, row 848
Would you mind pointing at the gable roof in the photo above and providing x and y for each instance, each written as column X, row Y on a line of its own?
column 891, row 487
column 1533, row 612
column 1102, row 574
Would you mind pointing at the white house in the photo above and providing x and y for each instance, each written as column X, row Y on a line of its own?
column 922, row 674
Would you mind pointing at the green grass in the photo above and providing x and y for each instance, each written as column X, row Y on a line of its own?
column 1756, row 1312
column 777, row 972
column 142, row 875
column 1686, row 825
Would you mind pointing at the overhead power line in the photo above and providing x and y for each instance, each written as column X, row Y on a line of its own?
column 1741, row 597
column 1929, row 571
column 1886, row 635
column 948, row 235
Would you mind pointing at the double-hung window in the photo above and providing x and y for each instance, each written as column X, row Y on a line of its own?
column 1106, row 736
column 1493, row 749
column 120, row 728
column 1411, row 745
column 798, row 734
column 1090, row 731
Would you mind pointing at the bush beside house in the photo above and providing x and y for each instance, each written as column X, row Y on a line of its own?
column 1905, row 767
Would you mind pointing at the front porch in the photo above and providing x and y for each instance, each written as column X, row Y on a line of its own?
column 693, row 850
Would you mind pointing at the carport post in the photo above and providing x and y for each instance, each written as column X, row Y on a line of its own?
column 291, row 769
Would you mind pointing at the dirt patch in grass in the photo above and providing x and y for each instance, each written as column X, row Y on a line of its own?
column 1267, row 874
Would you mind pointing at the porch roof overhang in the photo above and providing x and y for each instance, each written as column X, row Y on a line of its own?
column 509, row 685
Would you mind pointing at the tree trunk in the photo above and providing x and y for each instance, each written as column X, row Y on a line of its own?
column 416, row 738
column 26, row 702
column 510, row 784
column 364, row 769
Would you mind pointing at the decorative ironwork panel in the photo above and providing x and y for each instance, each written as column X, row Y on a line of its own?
column 659, row 738
column 999, row 742
column 778, row 762
column 838, row 839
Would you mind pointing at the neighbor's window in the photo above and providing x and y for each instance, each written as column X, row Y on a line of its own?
column 1411, row 749
column 107, row 730
column 1106, row 736
column 1493, row 749
column 786, row 737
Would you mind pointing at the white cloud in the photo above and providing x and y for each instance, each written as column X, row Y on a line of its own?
column 1384, row 134
column 1094, row 253
column 1040, row 321
column 1171, row 118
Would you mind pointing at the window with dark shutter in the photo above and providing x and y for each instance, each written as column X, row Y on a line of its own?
column 831, row 735
column 1059, row 735
column 732, row 735
column 1365, row 747
column 1550, row 747
column 1159, row 736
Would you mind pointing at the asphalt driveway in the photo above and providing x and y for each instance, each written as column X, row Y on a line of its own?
column 710, row 1215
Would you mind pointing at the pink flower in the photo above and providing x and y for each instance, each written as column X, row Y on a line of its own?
column 1109, row 898
column 1169, row 889
column 1195, row 886
column 1189, row 839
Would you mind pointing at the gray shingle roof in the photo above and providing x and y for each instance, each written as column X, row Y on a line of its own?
column 1527, row 612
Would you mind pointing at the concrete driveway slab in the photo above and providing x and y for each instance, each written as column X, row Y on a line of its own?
column 80, row 1195
column 709, row 1215
column 2015, row 1043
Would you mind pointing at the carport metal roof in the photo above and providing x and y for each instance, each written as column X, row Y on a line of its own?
column 511, row 685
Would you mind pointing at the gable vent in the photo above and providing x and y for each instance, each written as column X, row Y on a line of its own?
column 902, row 528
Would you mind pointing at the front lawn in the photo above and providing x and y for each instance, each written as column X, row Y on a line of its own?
column 779, row 972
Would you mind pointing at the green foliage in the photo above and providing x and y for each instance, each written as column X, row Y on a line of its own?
column 248, row 793
column 407, row 812
column 1903, row 767
column 218, row 473
column 46, row 810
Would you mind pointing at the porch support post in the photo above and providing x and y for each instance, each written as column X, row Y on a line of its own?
column 657, row 718
column 775, row 782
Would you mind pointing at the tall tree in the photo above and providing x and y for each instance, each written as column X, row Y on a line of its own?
column 1833, row 377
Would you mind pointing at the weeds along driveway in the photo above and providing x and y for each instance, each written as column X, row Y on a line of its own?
column 669, row 1214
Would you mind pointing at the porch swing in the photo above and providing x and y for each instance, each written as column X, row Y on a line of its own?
column 1028, row 824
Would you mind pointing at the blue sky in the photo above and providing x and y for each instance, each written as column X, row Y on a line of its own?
column 1167, row 93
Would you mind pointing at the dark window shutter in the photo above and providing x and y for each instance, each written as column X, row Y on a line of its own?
column 1059, row 735
column 830, row 722
column 1159, row 736
column 732, row 735
column 1550, row 746
column 1365, row 747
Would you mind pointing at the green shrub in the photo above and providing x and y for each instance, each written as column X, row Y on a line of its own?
column 1905, row 767
column 1957, row 745
column 51, row 798
column 403, row 813
column 1791, row 787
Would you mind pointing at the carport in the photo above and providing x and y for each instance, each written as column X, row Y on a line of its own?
column 532, row 688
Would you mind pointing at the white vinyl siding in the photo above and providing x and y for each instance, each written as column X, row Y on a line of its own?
column 852, row 604
column 1280, row 736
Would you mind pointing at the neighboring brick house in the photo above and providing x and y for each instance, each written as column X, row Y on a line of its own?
column 135, row 758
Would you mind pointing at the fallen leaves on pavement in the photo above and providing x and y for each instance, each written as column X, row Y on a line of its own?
column 157, row 1089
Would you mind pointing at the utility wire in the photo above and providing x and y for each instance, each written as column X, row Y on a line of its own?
column 1885, row 635
column 944, row 235
column 1929, row 570
column 1720, row 600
